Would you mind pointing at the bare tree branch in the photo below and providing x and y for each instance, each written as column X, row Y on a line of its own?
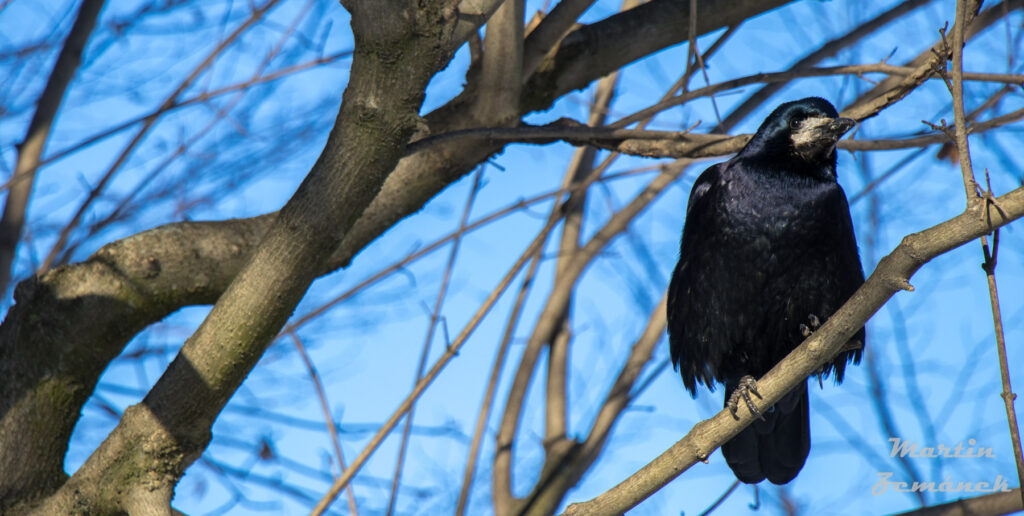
column 675, row 144
column 971, row 189
column 555, row 25
column 420, row 387
column 31, row 149
column 995, row 504
column 492, row 383
column 65, row 233
column 827, row 50
column 502, row 62
column 550, row 317
column 891, row 276
column 321, row 395
column 435, row 316
column 171, row 427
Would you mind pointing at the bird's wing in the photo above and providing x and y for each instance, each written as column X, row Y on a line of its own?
column 702, row 185
column 695, row 214
column 851, row 276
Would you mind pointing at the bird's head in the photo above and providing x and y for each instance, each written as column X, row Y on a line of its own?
column 805, row 130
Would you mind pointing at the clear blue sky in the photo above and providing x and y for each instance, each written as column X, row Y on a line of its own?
column 366, row 350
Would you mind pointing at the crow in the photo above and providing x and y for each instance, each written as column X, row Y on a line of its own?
column 768, row 252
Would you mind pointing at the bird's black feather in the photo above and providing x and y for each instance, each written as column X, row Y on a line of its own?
column 767, row 242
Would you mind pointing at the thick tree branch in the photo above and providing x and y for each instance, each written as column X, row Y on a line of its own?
column 502, row 61
column 596, row 50
column 586, row 54
column 120, row 314
column 555, row 25
column 80, row 317
column 399, row 48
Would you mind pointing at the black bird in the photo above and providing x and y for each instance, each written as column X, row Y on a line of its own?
column 768, row 251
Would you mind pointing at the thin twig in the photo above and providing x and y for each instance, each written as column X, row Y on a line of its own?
column 31, row 148
column 1004, row 372
column 721, row 499
column 199, row 98
column 321, row 394
column 959, row 114
column 438, row 366
column 622, row 391
column 65, row 233
column 220, row 113
column 549, row 315
column 799, row 73
column 492, row 384
column 434, row 316
column 756, row 99
column 888, row 422
column 695, row 53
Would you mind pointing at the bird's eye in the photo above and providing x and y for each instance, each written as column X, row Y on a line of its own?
column 794, row 123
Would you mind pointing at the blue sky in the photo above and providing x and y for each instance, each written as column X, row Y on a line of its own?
column 933, row 348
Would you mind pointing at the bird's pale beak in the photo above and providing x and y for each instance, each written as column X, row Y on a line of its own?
column 816, row 137
column 839, row 126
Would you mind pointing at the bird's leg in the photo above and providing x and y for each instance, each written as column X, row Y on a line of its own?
column 814, row 323
column 746, row 386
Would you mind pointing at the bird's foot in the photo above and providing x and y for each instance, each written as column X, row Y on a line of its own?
column 747, row 385
column 813, row 323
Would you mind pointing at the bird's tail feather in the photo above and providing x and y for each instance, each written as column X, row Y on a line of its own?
column 776, row 448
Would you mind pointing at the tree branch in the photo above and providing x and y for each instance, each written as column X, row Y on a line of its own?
column 81, row 317
column 550, row 31
column 827, row 50
column 141, row 279
column 401, row 49
column 995, row 504
column 549, row 319
column 31, row 148
column 891, row 275
column 971, row 189
column 586, row 54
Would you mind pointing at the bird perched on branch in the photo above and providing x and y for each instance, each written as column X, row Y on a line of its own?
column 768, row 252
